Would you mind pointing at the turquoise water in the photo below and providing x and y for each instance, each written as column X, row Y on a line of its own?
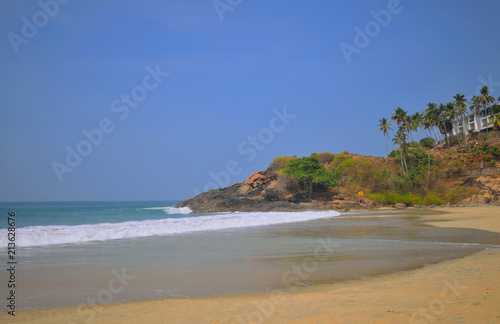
column 79, row 213
column 42, row 224
column 69, row 253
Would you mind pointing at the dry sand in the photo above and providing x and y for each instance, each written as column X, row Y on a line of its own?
column 459, row 291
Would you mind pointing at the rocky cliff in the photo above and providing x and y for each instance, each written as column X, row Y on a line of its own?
column 261, row 192
column 266, row 191
column 489, row 190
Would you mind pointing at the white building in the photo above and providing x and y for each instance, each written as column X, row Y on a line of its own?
column 476, row 122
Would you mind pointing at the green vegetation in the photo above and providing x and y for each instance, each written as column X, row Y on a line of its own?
column 410, row 174
column 495, row 117
column 310, row 173
column 382, row 180
column 325, row 157
column 428, row 143
column 279, row 163
column 432, row 199
column 407, row 199
column 418, row 173
column 339, row 158
column 385, row 127
column 437, row 121
column 458, row 193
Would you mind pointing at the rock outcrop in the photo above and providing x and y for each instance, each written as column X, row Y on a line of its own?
column 266, row 191
column 490, row 190
column 260, row 192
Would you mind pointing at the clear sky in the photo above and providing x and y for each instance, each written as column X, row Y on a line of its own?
column 175, row 94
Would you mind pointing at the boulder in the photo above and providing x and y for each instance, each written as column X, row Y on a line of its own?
column 257, row 179
column 274, row 194
column 400, row 206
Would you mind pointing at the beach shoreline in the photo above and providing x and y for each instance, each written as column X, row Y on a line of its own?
column 461, row 290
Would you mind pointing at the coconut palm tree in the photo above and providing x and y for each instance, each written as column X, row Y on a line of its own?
column 385, row 127
column 486, row 100
column 451, row 112
column 495, row 116
column 400, row 139
column 417, row 120
column 424, row 124
column 445, row 121
column 475, row 106
column 427, row 123
column 427, row 126
column 432, row 118
column 399, row 116
column 408, row 123
column 461, row 109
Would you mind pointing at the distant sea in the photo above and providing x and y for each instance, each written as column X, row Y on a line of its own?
column 109, row 252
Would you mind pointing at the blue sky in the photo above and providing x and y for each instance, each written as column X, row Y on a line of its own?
column 228, row 81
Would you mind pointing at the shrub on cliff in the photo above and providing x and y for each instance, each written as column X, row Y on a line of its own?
column 345, row 165
column 417, row 177
column 279, row 163
column 459, row 193
column 337, row 160
column 428, row 142
column 432, row 199
column 310, row 172
column 325, row 157
column 383, row 180
column 363, row 171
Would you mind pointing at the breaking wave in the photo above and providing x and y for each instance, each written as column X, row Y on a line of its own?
column 74, row 234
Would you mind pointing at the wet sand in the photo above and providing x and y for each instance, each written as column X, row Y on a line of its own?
column 465, row 290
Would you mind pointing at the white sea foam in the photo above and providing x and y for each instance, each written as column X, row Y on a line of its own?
column 65, row 234
column 172, row 210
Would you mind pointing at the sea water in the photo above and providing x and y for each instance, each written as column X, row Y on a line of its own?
column 110, row 252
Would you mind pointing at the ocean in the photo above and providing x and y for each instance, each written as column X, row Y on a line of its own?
column 86, row 253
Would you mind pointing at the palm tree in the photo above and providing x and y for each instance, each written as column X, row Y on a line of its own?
column 445, row 121
column 408, row 123
column 427, row 123
column 461, row 109
column 495, row 116
column 417, row 120
column 486, row 100
column 385, row 126
column 476, row 105
column 451, row 113
column 400, row 139
column 432, row 119
column 399, row 116
column 475, row 108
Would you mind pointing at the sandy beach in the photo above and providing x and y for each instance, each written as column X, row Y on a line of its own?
column 459, row 291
